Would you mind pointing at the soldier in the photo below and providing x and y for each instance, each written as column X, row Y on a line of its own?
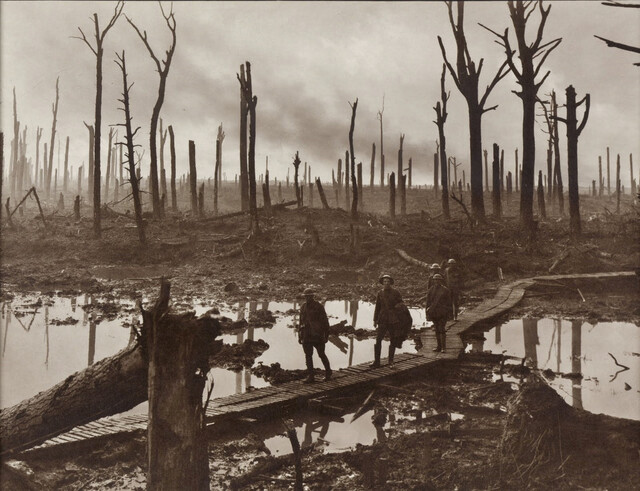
column 385, row 318
column 433, row 270
column 314, row 333
column 453, row 281
column 439, row 309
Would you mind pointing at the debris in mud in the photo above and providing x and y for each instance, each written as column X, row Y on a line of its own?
column 261, row 318
column 275, row 374
column 235, row 357
column 69, row 321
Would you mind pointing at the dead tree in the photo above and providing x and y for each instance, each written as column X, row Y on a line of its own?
column 193, row 178
column 360, row 185
column 201, row 201
column 436, row 174
column 541, row 207
column 296, row 166
column 392, row 196
column 98, row 52
column 373, row 164
column 252, row 101
column 108, row 174
column 38, row 136
column 466, row 77
column 323, row 198
column 354, row 183
column 633, row 181
column 573, row 133
column 163, row 174
column 600, row 179
column 172, row 148
column 486, row 171
column 497, row 204
column 614, row 44
column 216, row 170
column 618, row 184
column 441, row 117
column 347, row 181
column 520, row 13
column 244, row 176
column 266, row 195
column 65, row 182
column 13, row 163
column 608, row 174
column 379, row 116
column 54, row 110
column 401, row 181
column 91, row 169
column 162, row 68
column 130, row 146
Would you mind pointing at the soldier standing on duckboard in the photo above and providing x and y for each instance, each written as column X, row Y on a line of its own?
column 385, row 318
column 439, row 309
column 314, row 333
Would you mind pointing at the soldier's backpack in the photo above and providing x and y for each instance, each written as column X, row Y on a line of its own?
column 405, row 321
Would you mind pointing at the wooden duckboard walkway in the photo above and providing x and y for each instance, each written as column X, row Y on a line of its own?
column 273, row 400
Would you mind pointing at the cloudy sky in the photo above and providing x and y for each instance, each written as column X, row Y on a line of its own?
column 309, row 60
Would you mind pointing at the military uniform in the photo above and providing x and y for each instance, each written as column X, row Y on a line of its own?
column 438, row 311
column 314, row 333
column 386, row 317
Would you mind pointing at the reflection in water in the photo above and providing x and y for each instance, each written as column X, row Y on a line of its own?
column 67, row 348
column 598, row 390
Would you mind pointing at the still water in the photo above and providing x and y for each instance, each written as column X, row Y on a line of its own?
column 577, row 347
column 45, row 339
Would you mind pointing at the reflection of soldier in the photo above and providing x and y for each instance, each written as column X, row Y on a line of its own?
column 311, row 427
column 439, row 309
column 385, row 318
column 314, row 333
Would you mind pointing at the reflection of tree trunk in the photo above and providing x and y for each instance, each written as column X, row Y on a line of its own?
column 92, row 339
column 530, row 333
column 351, row 351
column 498, row 334
column 46, row 335
column 558, row 325
column 576, row 361
column 239, row 373
column 354, row 313
column 7, row 321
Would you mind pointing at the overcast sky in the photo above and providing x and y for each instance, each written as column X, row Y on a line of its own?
column 309, row 60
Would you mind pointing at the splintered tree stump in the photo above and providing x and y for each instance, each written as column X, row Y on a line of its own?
column 178, row 350
column 323, row 198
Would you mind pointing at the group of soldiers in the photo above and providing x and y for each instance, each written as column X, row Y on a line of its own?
column 442, row 303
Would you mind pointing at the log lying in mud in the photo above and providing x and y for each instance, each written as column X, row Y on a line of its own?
column 107, row 387
column 411, row 260
column 241, row 213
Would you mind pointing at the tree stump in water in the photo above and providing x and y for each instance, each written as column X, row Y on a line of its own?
column 178, row 350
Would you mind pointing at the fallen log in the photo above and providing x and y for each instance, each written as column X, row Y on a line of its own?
column 411, row 260
column 277, row 206
column 108, row 387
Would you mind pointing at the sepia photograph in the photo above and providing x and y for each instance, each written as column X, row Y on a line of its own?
column 319, row 245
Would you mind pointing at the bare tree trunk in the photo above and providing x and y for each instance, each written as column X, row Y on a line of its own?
column 373, row 165
column 216, row 170
column 108, row 174
column 573, row 132
column 541, row 207
column 392, row 196
column 618, row 185
column 403, row 195
column 129, row 139
column 193, row 181
column 633, row 181
column 497, row 205
column 54, row 109
column 162, row 67
column 323, row 198
column 266, row 195
column 608, row 174
column 252, row 101
column 296, row 166
column 14, row 144
column 163, row 175
column 354, row 183
column 178, row 347
column 65, row 183
column 201, row 201
column 379, row 115
column 435, row 173
column 518, row 169
column 360, row 185
column 244, row 176
column 172, row 148
column 347, row 181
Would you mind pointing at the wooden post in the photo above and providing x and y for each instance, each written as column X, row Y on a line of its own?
column 193, row 177
column 323, row 198
column 497, row 208
column 392, row 195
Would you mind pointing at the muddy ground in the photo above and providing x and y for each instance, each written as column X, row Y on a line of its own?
column 218, row 260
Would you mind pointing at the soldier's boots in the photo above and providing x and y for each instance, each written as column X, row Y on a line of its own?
column 376, row 352
column 310, row 379
column 327, row 374
column 392, row 352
